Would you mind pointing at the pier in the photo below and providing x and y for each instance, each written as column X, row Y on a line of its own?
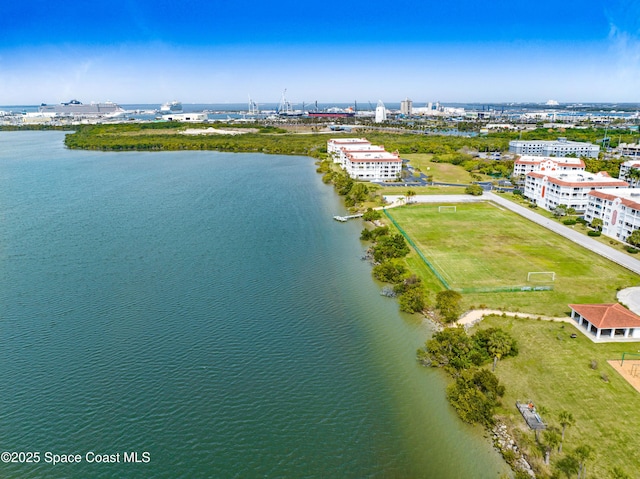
column 531, row 416
column 343, row 219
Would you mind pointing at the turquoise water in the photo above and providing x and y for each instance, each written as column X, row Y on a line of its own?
column 204, row 308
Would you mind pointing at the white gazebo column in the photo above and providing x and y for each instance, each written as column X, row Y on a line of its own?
column 613, row 333
column 626, row 332
column 597, row 333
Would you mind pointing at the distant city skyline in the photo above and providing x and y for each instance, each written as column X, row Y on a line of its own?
column 194, row 51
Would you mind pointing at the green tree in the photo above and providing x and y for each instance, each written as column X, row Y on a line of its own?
column 499, row 344
column 412, row 300
column 551, row 441
column 449, row 305
column 389, row 272
column 566, row 419
column 451, row 348
column 617, row 473
column 475, row 395
column 596, row 224
column 371, row 215
column 568, row 465
column 390, row 246
column 409, row 195
column 634, row 238
column 475, row 190
column 495, row 343
column 583, row 453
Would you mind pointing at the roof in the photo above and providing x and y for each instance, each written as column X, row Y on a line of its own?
column 607, row 316
column 612, row 197
column 580, row 179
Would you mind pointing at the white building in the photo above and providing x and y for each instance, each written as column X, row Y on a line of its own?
column 550, row 189
column 625, row 169
column 559, row 147
column 373, row 165
column 186, row 117
column 341, row 157
column 334, row 145
column 606, row 322
column 406, row 107
column 629, row 149
column 364, row 161
column 381, row 112
column 528, row 163
column 619, row 211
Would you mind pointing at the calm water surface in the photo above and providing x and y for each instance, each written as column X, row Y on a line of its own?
column 204, row 307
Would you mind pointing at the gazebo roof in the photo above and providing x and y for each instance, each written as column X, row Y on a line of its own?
column 607, row 316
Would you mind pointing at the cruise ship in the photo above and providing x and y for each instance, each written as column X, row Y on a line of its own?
column 74, row 107
column 171, row 107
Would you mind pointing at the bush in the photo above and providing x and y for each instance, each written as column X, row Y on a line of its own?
column 475, row 190
column 582, row 221
column 632, row 250
column 594, row 233
column 569, row 222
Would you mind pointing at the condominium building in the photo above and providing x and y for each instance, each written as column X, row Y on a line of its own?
column 618, row 209
column 627, row 175
column 528, row 163
column 551, row 189
column 560, row 147
column 629, row 149
column 373, row 165
column 364, row 161
column 341, row 157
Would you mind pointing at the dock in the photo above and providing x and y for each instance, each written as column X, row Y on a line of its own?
column 530, row 415
column 343, row 219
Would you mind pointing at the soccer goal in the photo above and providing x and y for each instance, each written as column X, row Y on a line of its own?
column 541, row 276
column 446, row 209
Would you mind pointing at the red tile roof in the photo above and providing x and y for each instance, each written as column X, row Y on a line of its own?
column 625, row 201
column 606, row 316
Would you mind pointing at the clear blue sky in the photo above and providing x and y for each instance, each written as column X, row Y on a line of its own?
column 214, row 51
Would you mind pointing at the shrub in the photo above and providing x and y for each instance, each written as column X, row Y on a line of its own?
column 594, row 233
column 582, row 221
column 569, row 222
column 632, row 250
column 475, row 190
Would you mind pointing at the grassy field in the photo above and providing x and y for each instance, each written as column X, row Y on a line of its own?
column 554, row 371
column 484, row 246
column 441, row 172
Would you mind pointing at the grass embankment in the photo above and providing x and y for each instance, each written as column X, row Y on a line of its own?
column 481, row 245
column 554, row 371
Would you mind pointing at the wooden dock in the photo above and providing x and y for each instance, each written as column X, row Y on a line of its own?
column 530, row 415
column 343, row 219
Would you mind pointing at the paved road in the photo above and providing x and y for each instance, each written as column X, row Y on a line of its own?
column 608, row 252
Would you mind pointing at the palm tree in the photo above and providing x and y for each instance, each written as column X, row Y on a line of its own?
column 551, row 439
column 566, row 419
column 498, row 345
column 583, row 454
column 568, row 465
column 410, row 194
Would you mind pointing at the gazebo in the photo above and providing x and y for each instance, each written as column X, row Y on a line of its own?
column 606, row 322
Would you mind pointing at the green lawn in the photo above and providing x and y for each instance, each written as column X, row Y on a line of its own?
column 554, row 370
column 484, row 246
column 441, row 172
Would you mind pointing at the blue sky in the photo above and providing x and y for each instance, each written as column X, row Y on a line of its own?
column 220, row 51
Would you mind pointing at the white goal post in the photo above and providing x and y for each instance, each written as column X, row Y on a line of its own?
column 446, row 209
column 541, row 276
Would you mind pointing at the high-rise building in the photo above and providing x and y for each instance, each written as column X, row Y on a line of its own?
column 406, row 107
